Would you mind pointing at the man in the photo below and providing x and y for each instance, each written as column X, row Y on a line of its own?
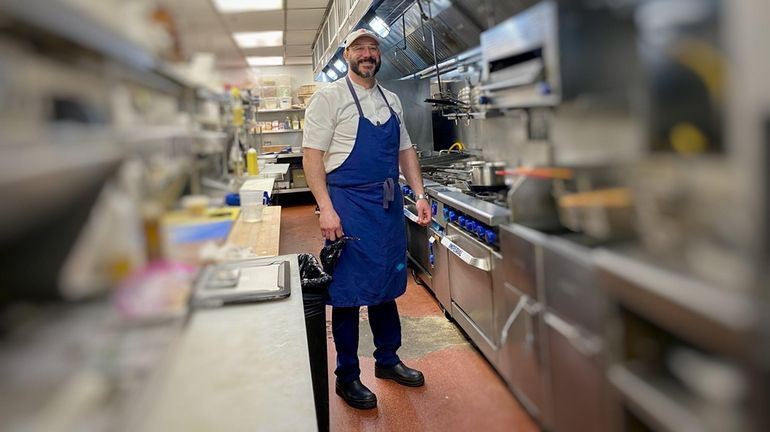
column 354, row 143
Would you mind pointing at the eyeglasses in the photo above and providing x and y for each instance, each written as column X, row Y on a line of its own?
column 361, row 48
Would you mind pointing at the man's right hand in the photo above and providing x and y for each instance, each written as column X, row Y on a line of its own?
column 331, row 226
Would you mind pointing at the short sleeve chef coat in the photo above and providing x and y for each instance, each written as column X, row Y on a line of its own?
column 331, row 119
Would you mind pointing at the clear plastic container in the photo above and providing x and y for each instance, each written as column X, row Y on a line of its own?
column 269, row 103
column 283, row 91
column 251, row 205
column 284, row 103
column 268, row 91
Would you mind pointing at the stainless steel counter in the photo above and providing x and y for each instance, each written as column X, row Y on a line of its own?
column 238, row 368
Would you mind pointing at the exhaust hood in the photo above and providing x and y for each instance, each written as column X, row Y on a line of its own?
column 407, row 48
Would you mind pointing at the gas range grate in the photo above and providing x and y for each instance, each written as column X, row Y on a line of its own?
column 430, row 163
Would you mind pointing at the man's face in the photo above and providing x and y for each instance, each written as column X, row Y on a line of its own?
column 363, row 57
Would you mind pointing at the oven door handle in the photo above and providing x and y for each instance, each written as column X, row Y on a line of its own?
column 483, row 264
column 411, row 216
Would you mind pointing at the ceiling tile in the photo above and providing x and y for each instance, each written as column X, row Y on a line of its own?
column 300, row 37
column 307, row 4
column 232, row 63
column 298, row 50
column 298, row 60
column 304, row 19
column 263, row 51
column 255, row 21
column 208, row 42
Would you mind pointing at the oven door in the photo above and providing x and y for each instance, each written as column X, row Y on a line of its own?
column 470, row 286
column 418, row 247
column 440, row 272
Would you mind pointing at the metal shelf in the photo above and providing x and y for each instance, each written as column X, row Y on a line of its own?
column 288, row 155
column 278, row 132
column 74, row 24
column 288, row 191
column 281, row 110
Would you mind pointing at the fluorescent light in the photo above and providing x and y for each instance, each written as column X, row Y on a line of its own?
column 232, row 6
column 258, row 39
column 379, row 26
column 265, row 61
column 340, row 65
column 331, row 74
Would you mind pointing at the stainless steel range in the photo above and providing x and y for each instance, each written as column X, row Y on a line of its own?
column 461, row 249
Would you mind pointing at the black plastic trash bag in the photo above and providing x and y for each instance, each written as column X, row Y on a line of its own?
column 315, row 284
column 331, row 253
column 314, row 279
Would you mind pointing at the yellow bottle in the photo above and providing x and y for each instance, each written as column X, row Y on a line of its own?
column 251, row 162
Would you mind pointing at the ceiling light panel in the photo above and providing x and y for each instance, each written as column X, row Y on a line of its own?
column 264, row 61
column 235, row 6
column 258, row 39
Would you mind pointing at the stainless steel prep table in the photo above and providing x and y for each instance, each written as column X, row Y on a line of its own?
column 238, row 368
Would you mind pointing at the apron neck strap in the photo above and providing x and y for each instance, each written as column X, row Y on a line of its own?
column 358, row 103
column 355, row 97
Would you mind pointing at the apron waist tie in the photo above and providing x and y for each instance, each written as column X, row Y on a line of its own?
column 388, row 192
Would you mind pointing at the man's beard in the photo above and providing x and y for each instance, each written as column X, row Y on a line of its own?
column 357, row 71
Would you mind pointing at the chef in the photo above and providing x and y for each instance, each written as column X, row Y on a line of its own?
column 354, row 143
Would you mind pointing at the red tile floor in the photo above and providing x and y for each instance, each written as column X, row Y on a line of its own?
column 462, row 391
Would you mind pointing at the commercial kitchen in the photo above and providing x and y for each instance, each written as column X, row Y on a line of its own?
column 596, row 258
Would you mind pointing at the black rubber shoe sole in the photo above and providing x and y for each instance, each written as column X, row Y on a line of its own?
column 384, row 375
column 369, row 404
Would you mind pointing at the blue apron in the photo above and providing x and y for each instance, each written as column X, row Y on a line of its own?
column 365, row 194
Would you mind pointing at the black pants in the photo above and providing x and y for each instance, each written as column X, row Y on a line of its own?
column 386, row 329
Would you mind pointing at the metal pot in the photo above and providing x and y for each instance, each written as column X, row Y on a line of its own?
column 485, row 174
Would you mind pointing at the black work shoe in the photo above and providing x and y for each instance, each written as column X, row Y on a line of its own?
column 356, row 394
column 401, row 374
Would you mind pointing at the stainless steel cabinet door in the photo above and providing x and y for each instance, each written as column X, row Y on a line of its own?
column 520, row 259
column 520, row 359
column 577, row 379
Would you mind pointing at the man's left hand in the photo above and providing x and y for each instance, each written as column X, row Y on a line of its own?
column 423, row 212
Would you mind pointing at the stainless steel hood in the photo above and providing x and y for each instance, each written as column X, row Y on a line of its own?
column 456, row 27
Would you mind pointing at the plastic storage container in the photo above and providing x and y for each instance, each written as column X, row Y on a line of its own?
column 251, row 205
column 275, row 80
column 269, row 103
column 268, row 91
column 284, row 102
column 283, row 91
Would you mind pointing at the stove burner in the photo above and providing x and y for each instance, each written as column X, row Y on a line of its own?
column 494, row 197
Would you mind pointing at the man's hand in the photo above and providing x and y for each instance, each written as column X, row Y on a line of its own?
column 423, row 212
column 331, row 226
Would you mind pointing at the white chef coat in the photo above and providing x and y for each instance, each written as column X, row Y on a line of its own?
column 331, row 119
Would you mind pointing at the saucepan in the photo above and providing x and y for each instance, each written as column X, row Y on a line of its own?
column 481, row 174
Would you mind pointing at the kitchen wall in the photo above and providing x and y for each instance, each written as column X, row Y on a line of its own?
column 417, row 113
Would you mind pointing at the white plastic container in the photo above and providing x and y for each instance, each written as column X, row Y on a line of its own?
column 284, row 103
column 251, row 205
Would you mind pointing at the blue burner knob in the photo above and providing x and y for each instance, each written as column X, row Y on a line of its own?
column 452, row 216
column 446, row 213
column 461, row 221
column 434, row 209
column 470, row 225
column 481, row 230
column 491, row 237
